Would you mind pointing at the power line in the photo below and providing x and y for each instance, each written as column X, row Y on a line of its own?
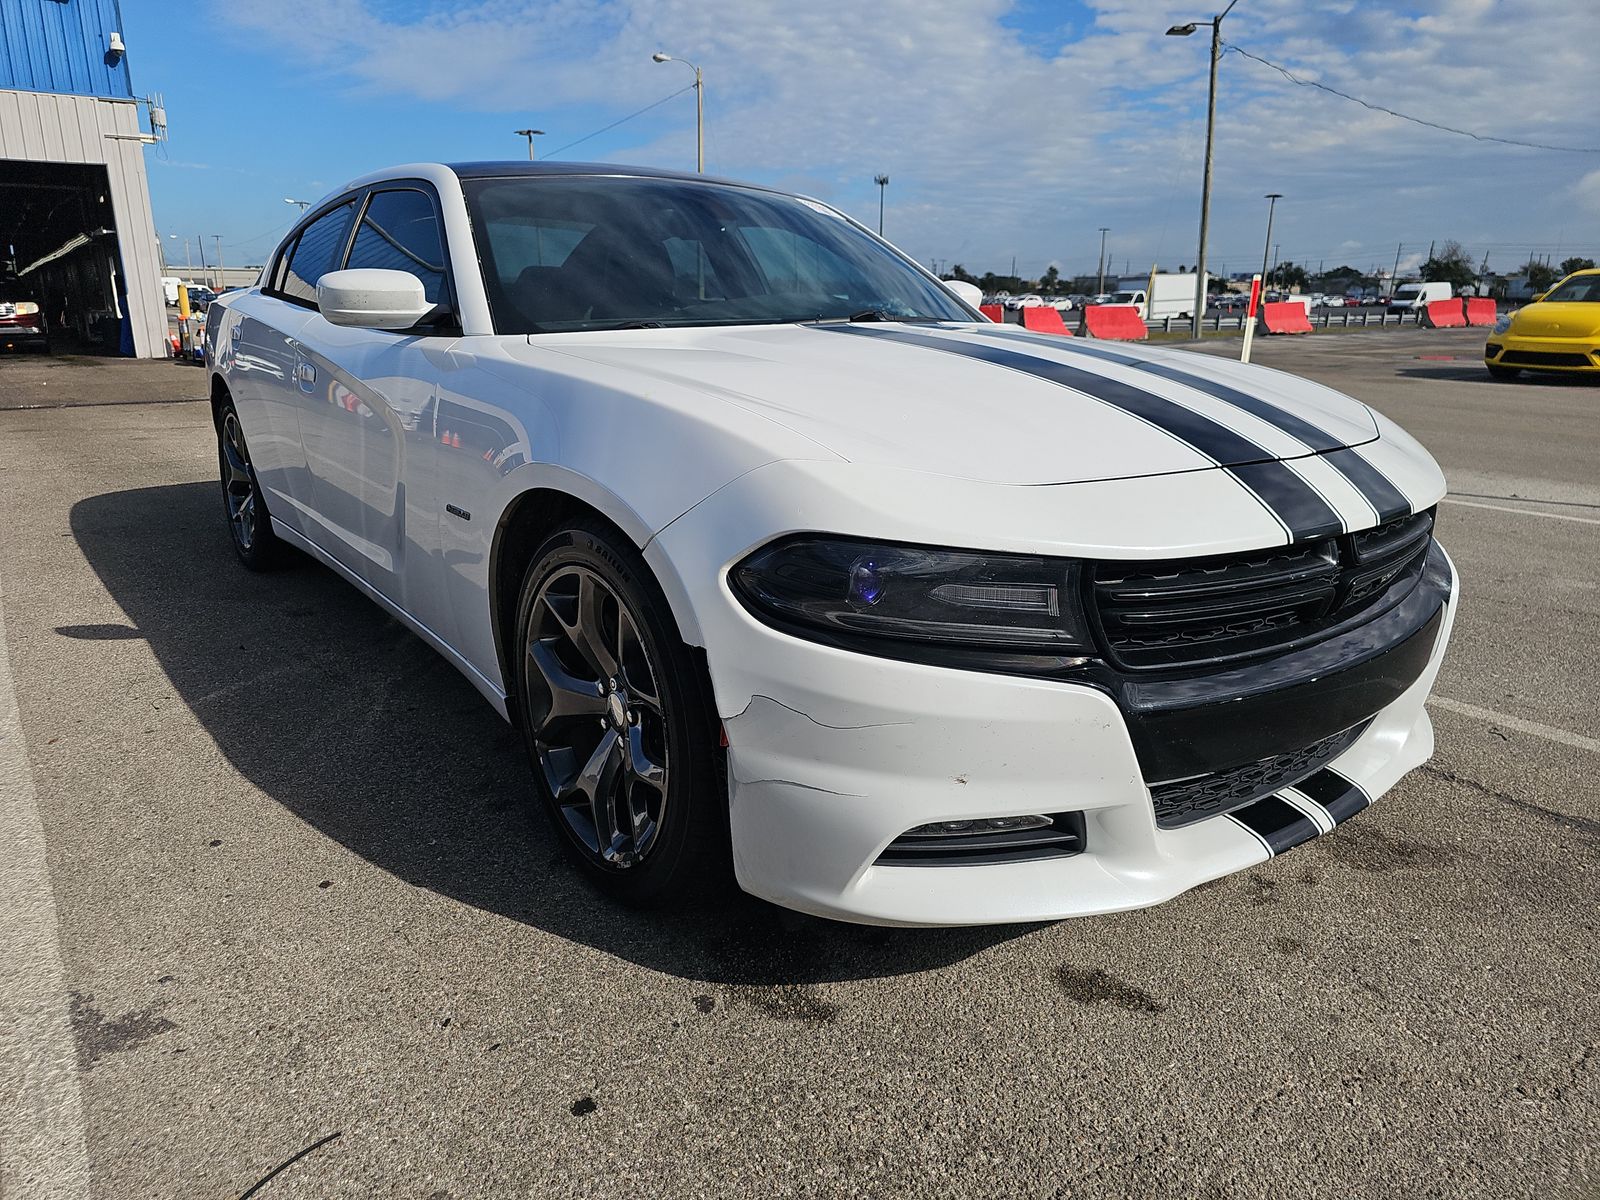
column 1479, row 137
column 620, row 120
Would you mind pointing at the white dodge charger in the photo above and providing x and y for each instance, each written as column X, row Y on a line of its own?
column 784, row 559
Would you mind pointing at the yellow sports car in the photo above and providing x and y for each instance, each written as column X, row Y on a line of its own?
column 1559, row 331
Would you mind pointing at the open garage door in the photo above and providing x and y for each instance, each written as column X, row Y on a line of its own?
column 59, row 247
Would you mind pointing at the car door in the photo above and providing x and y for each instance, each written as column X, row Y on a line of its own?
column 366, row 401
column 261, row 348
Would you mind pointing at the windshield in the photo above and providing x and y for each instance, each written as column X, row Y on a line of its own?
column 1124, row 297
column 583, row 252
column 1580, row 289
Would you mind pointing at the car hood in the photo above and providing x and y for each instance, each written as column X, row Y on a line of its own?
column 1557, row 320
column 984, row 403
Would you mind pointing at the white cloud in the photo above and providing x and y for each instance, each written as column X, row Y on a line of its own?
column 994, row 147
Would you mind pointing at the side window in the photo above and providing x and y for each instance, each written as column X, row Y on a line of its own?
column 400, row 232
column 317, row 252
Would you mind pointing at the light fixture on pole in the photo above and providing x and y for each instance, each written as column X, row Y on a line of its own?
column 883, row 186
column 1100, row 288
column 699, row 108
column 1211, row 124
column 301, row 204
column 530, row 134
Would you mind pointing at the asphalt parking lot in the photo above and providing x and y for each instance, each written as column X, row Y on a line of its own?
column 273, row 893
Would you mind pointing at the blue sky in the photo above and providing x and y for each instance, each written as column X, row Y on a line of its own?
column 1006, row 128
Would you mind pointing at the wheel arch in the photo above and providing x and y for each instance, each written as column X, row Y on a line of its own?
column 533, row 513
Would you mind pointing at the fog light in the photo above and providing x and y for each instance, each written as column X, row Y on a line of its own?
column 978, row 827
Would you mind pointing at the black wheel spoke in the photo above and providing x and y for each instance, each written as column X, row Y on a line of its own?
column 569, row 696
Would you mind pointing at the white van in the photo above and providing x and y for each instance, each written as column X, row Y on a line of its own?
column 1409, row 296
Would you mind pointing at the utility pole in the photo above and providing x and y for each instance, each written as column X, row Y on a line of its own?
column 1275, row 250
column 530, row 134
column 1013, row 266
column 217, row 238
column 883, row 186
column 1272, row 199
column 1101, row 286
column 201, row 243
column 1394, row 276
column 1211, row 127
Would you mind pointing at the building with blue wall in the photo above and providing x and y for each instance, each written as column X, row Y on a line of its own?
column 76, row 228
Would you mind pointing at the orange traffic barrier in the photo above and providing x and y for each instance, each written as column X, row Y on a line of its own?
column 1443, row 314
column 1481, row 311
column 995, row 312
column 1044, row 320
column 1114, row 322
column 1285, row 316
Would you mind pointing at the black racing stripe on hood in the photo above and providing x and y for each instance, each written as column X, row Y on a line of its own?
column 1386, row 499
column 1337, row 796
column 1279, row 824
column 1299, row 507
column 1314, row 437
column 1389, row 501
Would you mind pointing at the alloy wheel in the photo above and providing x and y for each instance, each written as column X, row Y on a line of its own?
column 599, row 728
column 238, row 483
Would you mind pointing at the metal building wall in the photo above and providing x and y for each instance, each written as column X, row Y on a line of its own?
column 60, row 46
column 41, row 127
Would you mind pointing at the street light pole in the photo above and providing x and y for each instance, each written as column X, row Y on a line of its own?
column 883, row 186
column 1211, row 126
column 1100, row 287
column 530, row 134
column 217, row 238
column 699, row 108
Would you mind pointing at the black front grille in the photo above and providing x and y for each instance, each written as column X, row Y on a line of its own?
column 1185, row 801
column 1204, row 611
column 1544, row 358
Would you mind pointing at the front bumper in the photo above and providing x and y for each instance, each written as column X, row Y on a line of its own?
column 1572, row 355
column 835, row 754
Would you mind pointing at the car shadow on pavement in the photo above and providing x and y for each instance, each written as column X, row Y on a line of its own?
column 1477, row 374
column 337, row 712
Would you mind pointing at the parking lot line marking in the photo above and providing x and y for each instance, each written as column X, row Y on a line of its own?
column 41, row 1108
column 1549, row 732
column 1527, row 512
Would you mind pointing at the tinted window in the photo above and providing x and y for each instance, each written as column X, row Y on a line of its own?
column 1580, row 289
column 317, row 253
column 581, row 252
column 401, row 233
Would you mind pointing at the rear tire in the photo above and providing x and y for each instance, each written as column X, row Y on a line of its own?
column 249, row 526
column 619, row 724
column 1502, row 373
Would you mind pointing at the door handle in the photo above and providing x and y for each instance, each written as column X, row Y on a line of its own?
column 306, row 373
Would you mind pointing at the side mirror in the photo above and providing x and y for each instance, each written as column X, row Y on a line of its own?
column 372, row 298
column 971, row 293
column 1538, row 296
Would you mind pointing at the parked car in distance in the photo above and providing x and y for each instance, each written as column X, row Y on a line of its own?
column 929, row 635
column 1558, row 332
column 1061, row 303
column 23, row 324
column 1026, row 300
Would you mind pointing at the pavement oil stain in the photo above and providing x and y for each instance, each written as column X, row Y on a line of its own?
column 1368, row 848
column 583, row 1106
column 704, row 1004
column 1095, row 986
column 1260, row 890
column 789, row 1002
column 1287, row 945
column 97, row 1037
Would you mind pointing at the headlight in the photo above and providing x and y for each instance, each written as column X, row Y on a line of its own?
column 856, row 590
column 26, row 308
column 1502, row 323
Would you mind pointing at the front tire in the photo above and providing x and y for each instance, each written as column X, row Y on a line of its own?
column 617, row 717
column 249, row 527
